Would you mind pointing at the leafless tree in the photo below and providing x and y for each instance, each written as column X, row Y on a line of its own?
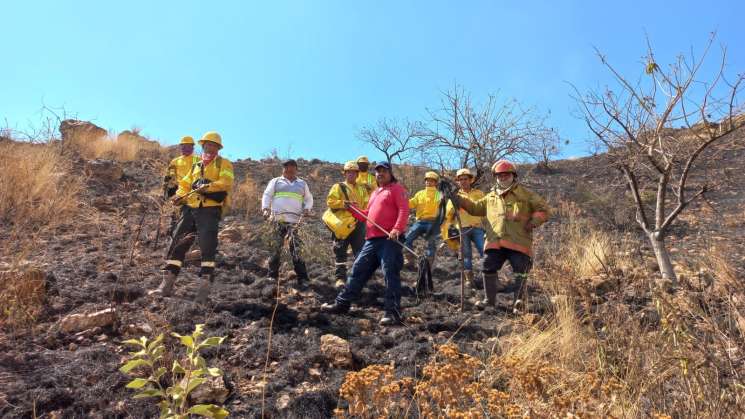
column 462, row 133
column 655, row 130
column 395, row 139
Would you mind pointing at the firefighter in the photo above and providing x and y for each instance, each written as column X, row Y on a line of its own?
column 177, row 169
column 512, row 212
column 425, row 203
column 471, row 227
column 364, row 177
column 347, row 232
column 204, row 192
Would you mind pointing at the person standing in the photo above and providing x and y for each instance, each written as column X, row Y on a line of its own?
column 285, row 201
column 364, row 177
column 204, row 192
column 512, row 212
column 340, row 197
column 388, row 208
column 425, row 204
column 177, row 169
column 471, row 229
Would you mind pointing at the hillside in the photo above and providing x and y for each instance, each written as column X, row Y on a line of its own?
column 592, row 313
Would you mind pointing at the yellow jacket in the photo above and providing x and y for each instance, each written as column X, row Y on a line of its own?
column 466, row 219
column 178, row 168
column 357, row 194
column 367, row 179
column 425, row 203
column 220, row 174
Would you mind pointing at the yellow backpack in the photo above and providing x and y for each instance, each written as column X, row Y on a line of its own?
column 339, row 221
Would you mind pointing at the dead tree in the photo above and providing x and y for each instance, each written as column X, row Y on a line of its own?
column 462, row 133
column 395, row 139
column 655, row 130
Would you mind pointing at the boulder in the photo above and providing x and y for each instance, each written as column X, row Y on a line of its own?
column 103, row 170
column 211, row 391
column 80, row 322
column 337, row 351
column 74, row 131
column 145, row 148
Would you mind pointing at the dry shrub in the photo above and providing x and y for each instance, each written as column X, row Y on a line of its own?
column 22, row 297
column 127, row 146
column 246, row 198
column 37, row 188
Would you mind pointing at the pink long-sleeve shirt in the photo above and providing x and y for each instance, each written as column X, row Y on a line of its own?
column 389, row 208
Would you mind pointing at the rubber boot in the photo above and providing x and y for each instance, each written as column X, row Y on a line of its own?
column 490, row 291
column 203, row 292
column 519, row 298
column 166, row 285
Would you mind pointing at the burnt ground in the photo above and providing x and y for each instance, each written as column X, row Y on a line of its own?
column 113, row 255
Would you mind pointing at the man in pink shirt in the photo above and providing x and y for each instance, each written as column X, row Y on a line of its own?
column 389, row 208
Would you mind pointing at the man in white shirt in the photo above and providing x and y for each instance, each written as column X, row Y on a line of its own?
column 286, row 199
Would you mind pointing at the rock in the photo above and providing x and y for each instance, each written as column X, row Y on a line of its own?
column 145, row 148
column 74, row 131
column 229, row 235
column 103, row 170
column 211, row 391
column 79, row 322
column 364, row 324
column 337, row 351
column 282, row 402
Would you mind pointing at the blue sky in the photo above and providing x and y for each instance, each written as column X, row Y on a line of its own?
column 303, row 77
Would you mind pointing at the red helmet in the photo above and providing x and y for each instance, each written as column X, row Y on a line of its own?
column 504, row 166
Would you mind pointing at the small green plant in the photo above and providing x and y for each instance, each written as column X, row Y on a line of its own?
column 174, row 400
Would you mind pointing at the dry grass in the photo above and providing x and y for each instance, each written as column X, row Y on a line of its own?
column 246, row 199
column 594, row 353
column 22, row 298
column 38, row 188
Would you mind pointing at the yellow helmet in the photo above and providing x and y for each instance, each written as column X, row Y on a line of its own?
column 463, row 172
column 213, row 137
column 431, row 175
column 362, row 159
column 187, row 140
column 351, row 165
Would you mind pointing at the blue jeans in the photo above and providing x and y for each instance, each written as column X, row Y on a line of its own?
column 420, row 228
column 375, row 253
column 471, row 235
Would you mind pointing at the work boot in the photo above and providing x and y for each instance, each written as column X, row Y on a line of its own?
column 391, row 319
column 335, row 308
column 490, row 291
column 166, row 286
column 471, row 282
column 203, row 292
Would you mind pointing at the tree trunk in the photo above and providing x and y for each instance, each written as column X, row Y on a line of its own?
column 663, row 258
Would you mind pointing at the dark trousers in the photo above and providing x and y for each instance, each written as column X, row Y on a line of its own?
column 355, row 240
column 521, row 264
column 375, row 253
column 281, row 232
column 195, row 223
